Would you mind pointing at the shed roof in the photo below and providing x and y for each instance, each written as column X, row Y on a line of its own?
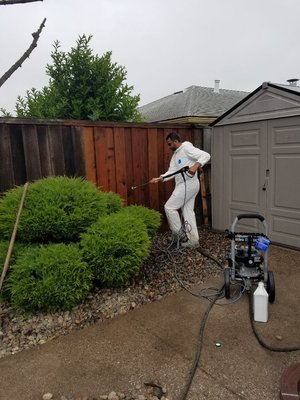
column 281, row 100
column 287, row 87
column 194, row 101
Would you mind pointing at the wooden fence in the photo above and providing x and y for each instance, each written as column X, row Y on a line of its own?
column 114, row 156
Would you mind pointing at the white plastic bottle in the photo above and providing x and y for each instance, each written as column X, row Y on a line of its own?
column 260, row 303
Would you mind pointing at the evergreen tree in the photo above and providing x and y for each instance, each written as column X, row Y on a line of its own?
column 82, row 86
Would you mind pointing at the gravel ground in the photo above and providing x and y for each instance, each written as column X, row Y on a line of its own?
column 157, row 279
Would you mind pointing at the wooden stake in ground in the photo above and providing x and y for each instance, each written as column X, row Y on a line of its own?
column 13, row 236
column 204, row 199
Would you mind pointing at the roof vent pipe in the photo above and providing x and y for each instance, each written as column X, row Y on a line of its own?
column 217, row 86
column 293, row 81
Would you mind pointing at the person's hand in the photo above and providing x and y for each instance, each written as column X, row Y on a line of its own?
column 156, row 180
column 193, row 169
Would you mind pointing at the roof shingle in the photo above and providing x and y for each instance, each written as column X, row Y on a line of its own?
column 195, row 101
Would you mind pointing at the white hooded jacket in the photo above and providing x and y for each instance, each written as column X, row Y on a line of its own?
column 185, row 156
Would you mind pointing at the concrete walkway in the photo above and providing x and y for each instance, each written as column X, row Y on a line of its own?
column 157, row 342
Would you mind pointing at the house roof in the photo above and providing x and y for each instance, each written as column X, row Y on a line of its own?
column 195, row 101
column 286, row 88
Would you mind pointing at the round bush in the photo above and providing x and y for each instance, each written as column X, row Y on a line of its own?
column 113, row 202
column 151, row 218
column 49, row 278
column 18, row 248
column 115, row 247
column 56, row 209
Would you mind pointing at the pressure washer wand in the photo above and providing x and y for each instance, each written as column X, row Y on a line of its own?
column 181, row 171
column 138, row 186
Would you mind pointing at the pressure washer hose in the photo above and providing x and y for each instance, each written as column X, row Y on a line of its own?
column 189, row 381
column 212, row 302
column 260, row 340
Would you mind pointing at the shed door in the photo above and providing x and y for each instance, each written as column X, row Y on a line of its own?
column 283, row 183
column 245, row 172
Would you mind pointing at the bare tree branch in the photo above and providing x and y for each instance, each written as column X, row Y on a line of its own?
column 9, row 2
column 27, row 53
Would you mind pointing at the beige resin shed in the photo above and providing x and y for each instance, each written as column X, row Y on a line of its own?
column 256, row 162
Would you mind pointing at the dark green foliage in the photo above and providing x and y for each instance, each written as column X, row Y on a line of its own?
column 115, row 247
column 151, row 218
column 17, row 249
column 82, row 86
column 56, row 209
column 49, row 278
column 113, row 201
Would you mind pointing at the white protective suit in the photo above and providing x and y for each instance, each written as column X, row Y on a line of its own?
column 185, row 192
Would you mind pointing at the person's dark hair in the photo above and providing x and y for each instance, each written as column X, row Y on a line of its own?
column 174, row 136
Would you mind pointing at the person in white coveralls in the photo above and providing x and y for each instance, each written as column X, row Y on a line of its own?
column 187, row 159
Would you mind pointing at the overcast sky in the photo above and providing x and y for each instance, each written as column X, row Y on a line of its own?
column 165, row 45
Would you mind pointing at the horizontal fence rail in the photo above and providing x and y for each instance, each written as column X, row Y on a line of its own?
column 114, row 156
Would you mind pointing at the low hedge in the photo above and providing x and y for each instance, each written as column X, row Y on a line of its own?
column 56, row 209
column 113, row 202
column 151, row 218
column 17, row 249
column 49, row 278
column 115, row 247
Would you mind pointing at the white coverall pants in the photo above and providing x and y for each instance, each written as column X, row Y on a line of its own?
column 183, row 197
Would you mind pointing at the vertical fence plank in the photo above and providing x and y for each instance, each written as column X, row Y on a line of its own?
column 153, row 167
column 197, row 137
column 78, row 151
column 68, row 151
column 101, row 158
column 31, row 152
column 6, row 162
column 18, row 169
column 120, row 161
column 111, row 164
column 201, row 206
column 56, row 149
column 45, row 156
column 162, row 166
column 105, row 158
column 140, row 165
column 167, row 155
column 129, row 165
column 204, row 199
column 89, row 154
column 185, row 134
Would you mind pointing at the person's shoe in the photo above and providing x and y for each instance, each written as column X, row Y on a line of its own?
column 190, row 244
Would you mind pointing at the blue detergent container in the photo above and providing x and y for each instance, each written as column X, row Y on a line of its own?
column 262, row 243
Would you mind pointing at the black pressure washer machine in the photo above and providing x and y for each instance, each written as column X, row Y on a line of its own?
column 248, row 258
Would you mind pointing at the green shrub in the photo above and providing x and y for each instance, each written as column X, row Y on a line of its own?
column 113, row 202
column 115, row 247
column 49, row 278
column 16, row 251
column 56, row 209
column 151, row 218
